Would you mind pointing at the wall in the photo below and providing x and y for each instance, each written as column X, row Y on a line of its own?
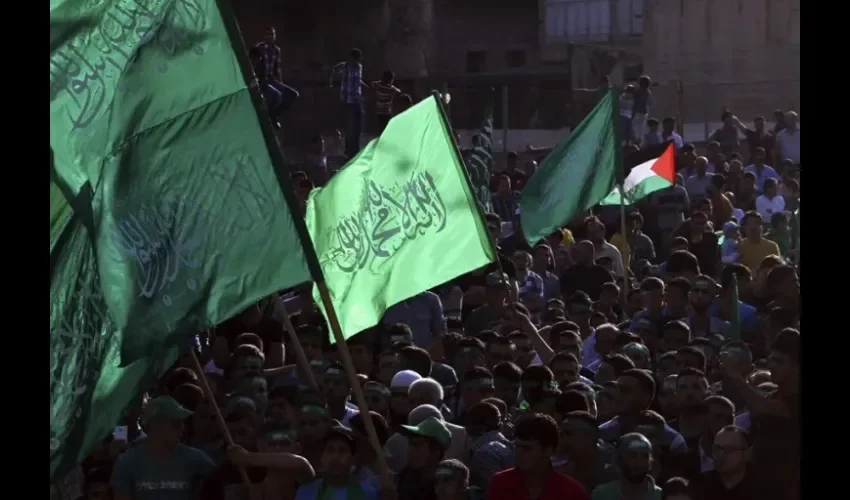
column 740, row 54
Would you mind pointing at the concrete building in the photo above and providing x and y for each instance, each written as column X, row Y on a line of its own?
column 738, row 54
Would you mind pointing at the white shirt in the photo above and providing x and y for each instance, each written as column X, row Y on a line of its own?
column 678, row 142
column 789, row 144
column 610, row 251
column 767, row 206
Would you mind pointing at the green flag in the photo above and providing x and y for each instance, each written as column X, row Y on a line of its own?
column 479, row 161
column 150, row 109
column 577, row 174
column 398, row 219
column 166, row 213
column 735, row 320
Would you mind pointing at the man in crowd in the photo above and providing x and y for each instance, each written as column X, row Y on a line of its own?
column 540, row 385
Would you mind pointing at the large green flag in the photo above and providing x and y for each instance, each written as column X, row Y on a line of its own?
column 479, row 161
column 398, row 219
column 577, row 174
column 166, row 213
column 151, row 113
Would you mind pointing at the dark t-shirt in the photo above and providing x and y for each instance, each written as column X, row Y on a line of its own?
column 710, row 487
column 588, row 279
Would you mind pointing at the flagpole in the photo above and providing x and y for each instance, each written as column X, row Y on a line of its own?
column 359, row 397
column 618, row 165
column 284, row 183
column 300, row 355
column 222, row 425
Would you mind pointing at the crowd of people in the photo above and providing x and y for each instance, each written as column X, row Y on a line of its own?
column 660, row 363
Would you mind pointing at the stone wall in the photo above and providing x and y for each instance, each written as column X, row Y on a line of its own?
column 740, row 54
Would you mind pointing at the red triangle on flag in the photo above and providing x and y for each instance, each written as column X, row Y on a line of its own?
column 665, row 165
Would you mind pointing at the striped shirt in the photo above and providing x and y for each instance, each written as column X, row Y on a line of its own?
column 270, row 67
column 351, row 77
column 384, row 94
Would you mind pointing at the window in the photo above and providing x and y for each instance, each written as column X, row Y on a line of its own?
column 594, row 20
column 476, row 61
column 515, row 58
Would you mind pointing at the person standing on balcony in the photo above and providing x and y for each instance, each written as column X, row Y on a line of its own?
column 640, row 108
column 350, row 74
column 270, row 77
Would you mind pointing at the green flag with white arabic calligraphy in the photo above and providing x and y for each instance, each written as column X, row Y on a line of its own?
column 479, row 161
column 166, row 212
column 398, row 219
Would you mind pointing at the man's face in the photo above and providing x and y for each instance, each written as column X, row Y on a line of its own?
column 449, row 488
column 498, row 353
column 388, row 366
column 628, row 396
column 257, row 390
column 337, row 457
column 758, row 158
column 522, row 261
column 529, row 455
column 571, row 343
column 418, row 453
column 204, row 423
column 507, row 392
column 362, row 358
column 541, row 257
column 565, row 371
column 504, row 185
column 635, row 463
column 524, row 351
column 731, row 452
column 753, row 228
column 653, row 299
column 698, row 223
column 335, row 387
column 674, row 339
column 780, row 366
column 312, row 348
column 718, row 416
column 702, row 165
column 702, row 294
column 468, row 357
column 243, row 432
column 791, row 120
column 596, row 232
column 270, row 36
column 675, row 298
column 691, row 390
column 311, row 427
column 278, row 411
column 759, row 124
column 247, row 364
column 580, row 314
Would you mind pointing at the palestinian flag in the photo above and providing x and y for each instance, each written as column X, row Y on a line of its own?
column 646, row 177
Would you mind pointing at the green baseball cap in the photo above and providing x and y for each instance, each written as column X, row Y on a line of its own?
column 164, row 408
column 496, row 279
column 431, row 427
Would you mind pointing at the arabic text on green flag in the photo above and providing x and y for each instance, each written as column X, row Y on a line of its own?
column 191, row 223
column 178, row 220
column 397, row 220
column 577, row 174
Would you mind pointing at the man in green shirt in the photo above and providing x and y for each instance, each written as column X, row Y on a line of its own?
column 635, row 456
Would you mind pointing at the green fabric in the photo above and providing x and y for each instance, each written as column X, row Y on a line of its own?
column 399, row 219
column 88, row 390
column 165, row 212
column 479, row 162
column 151, row 112
column 352, row 492
column 577, row 174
